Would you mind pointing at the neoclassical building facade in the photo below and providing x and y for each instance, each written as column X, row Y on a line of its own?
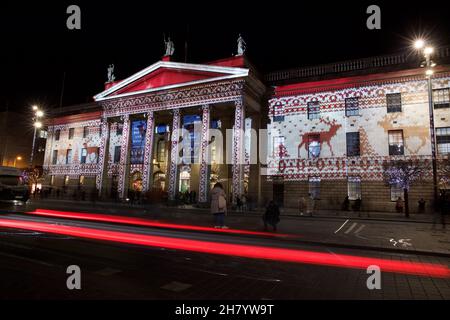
column 322, row 131
column 135, row 136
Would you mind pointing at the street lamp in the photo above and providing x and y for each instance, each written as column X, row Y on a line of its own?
column 427, row 51
column 37, row 125
column 18, row 158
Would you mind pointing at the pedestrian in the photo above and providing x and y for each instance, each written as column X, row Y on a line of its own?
column 421, row 205
column 311, row 204
column 271, row 216
column 441, row 209
column 302, row 205
column 346, row 204
column 399, row 205
column 238, row 203
column 219, row 205
column 244, row 203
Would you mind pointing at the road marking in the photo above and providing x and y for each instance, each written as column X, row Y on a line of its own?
column 351, row 228
column 360, row 228
column 341, row 226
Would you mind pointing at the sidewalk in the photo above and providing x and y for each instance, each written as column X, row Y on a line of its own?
column 380, row 232
column 289, row 212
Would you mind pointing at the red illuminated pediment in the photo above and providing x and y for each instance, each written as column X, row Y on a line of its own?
column 166, row 77
column 169, row 75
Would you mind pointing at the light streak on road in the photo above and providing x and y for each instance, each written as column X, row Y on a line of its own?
column 238, row 250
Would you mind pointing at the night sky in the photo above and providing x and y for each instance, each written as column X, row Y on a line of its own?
column 37, row 48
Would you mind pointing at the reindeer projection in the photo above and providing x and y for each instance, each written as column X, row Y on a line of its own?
column 419, row 131
column 325, row 136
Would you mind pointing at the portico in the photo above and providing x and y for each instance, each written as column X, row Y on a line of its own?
column 168, row 125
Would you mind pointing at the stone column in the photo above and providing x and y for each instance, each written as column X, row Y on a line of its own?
column 103, row 156
column 148, row 153
column 174, row 155
column 204, row 156
column 238, row 149
column 124, row 158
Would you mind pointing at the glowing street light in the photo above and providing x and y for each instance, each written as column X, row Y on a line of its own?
column 38, row 124
column 419, row 44
column 428, row 50
column 18, row 158
column 39, row 113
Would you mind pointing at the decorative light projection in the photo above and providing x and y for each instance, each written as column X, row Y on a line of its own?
column 138, row 129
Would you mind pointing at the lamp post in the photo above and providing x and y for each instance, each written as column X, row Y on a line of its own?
column 18, row 158
column 427, row 51
column 37, row 125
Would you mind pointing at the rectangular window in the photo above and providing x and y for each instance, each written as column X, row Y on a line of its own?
column 83, row 156
column 71, row 133
column 43, row 134
column 441, row 98
column 57, row 134
column 313, row 110
column 85, row 132
column 396, row 192
column 396, row 147
column 69, row 156
column 394, row 102
column 66, row 180
column 117, row 154
column 314, row 187
column 351, row 107
column 52, row 180
column 354, row 188
column 278, row 118
column 81, row 181
column 353, row 149
column 55, row 157
column 443, row 140
column 119, row 129
column 313, row 146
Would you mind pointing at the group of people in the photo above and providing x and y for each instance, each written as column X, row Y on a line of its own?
column 270, row 217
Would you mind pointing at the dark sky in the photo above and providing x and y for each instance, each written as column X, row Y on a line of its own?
column 37, row 48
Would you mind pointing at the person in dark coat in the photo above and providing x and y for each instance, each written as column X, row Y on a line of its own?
column 271, row 216
column 346, row 204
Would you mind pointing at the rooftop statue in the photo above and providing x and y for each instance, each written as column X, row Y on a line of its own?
column 241, row 46
column 111, row 76
column 170, row 47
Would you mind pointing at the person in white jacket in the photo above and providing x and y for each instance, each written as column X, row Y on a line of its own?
column 219, row 205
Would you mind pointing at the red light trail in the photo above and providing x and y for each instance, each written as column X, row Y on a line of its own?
column 238, row 250
column 146, row 222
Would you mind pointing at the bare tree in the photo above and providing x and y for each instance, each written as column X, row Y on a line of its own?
column 404, row 173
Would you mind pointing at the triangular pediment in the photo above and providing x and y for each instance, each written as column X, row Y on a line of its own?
column 166, row 75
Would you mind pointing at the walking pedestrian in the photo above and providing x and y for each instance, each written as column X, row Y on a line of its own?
column 311, row 204
column 421, row 205
column 271, row 216
column 302, row 205
column 399, row 205
column 441, row 209
column 218, row 205
column 238, row 203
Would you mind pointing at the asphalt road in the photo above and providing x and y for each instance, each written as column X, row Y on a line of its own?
column 33, row 266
